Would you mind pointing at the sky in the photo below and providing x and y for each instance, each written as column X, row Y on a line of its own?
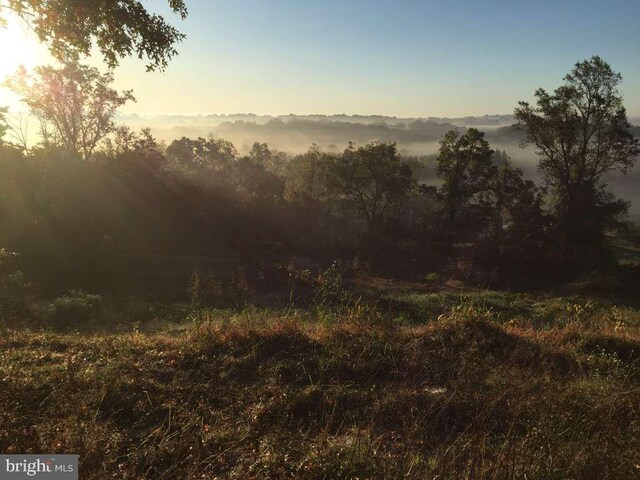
column 403, row 58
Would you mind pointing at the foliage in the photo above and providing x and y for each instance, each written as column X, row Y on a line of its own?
column 75, row 104
column 119, row 28
column 127, row 142
column 464, row 165
column 130, row 154
column 212, row 155
column 581, row 133
column 516, row 205
column 138, row 215
column 12, row 288
column 76, row 308
column 210, row 291
column 256, row 176
column 303, row 173
column 581, row 130
column 370, row 181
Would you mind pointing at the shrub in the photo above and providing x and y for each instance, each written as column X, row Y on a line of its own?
column 76, row 308
column 209, row 291
column 12, row 288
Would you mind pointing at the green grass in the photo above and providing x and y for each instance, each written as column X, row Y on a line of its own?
column 626, row 252
column 489, row 385
column 541, row 309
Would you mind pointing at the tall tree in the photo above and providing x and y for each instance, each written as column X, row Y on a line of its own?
column 75, row 101
column 581, row 133
column 119, row 28
column 465, row 166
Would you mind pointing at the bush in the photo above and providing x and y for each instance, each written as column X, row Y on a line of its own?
column 76, row 308
column 211, row 291
column 12, row 288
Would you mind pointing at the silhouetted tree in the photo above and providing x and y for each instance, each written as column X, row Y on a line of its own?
column 581, row 133
column 256, row 176
column 76, row 101
column 371, row 181
column 125, row 140
column 118, row 28
column 464, row 165
column 129, row 153
column 517, row 211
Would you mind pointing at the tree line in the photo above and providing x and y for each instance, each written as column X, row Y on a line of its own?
column 93, row 195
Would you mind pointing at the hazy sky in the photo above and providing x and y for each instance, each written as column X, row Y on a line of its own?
column 404, row 58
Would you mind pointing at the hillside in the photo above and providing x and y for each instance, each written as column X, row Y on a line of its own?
column 480, row 384
column 386, row 289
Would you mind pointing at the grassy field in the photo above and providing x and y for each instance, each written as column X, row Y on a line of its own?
column 450, row 383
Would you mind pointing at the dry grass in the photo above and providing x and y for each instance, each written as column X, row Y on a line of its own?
column 260, row 394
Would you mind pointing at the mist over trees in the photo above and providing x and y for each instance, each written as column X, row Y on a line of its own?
column 294, row 133
column 98, row 200
column 312, row 296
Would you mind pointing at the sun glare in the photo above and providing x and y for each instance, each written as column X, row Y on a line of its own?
column 19, row 46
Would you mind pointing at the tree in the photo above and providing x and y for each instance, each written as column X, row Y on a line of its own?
column 75, row 101
column 370, row 181
column 464, row 165
column 126, row 141
column 303, row 176
column 254, row 181
column 272, row 160
column 17, row 129
column 4, row 126
column 581, row 133
column 129, row 153
column 202, row 154
column 119, row 28
column 516, row 209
